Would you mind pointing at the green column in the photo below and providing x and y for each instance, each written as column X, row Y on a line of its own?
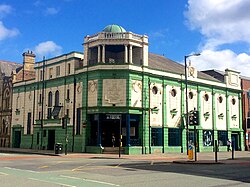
column 228, row 116
column 183, row 116
column 214, row 117
column 164, row 118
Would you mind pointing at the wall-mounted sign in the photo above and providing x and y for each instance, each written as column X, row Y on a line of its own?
column 113, row 116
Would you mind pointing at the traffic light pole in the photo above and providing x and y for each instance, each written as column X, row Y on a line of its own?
column 194, row 121
column 65, row 126
column 195, row 146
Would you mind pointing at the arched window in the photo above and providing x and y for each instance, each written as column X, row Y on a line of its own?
column 17, row 102
column 190, row 95
column 173, row 92
column 49, row 105
column 50, row 99
column 6, row 99
column 57, row 98
column 3, row 127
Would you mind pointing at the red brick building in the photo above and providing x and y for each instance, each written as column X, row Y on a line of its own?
column 245, row 85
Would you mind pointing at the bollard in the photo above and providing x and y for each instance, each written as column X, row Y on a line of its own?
column 233, row 150
column 216, row 150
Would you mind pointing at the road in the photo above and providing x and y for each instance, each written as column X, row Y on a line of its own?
column 79, row 170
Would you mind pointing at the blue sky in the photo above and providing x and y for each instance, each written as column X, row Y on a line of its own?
column 218, row 29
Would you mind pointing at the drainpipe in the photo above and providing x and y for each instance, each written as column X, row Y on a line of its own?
column 74, row 115
column 149, row 118
column 33, row 120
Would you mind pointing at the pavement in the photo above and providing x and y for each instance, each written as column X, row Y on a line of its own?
column 239, row 157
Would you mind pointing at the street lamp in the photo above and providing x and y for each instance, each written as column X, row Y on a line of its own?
column 187, row 121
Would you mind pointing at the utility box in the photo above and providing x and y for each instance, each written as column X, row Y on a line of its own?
column 190, row 152
column 58, row 148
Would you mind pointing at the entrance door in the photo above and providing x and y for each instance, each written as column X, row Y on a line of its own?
column 235, row 139
column 17, row 139
column 51, row 139
column 191, row 139
column 110, row 128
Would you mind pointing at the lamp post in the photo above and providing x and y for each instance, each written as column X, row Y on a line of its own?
column 187, row 121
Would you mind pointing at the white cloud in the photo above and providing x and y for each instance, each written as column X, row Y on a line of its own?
column 5, row 9
column 7, row 33
column 220, row 21
column 51, row 11
column 48, row 48
column 222, row 60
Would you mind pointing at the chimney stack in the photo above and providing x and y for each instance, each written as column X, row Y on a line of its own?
column 28, row 60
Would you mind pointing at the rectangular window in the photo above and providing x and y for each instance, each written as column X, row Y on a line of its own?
column 40, row 98
column 78, row 121
column 156, row 136
column 44, row 133
column 29, row 123
column 39, row 115
column 49, row 113
column 37, row 138
column 41, row 75
column 50, row 72
column 174, row 137
column 68, row 69
column 248, row 123
column 57, row 71
column 222, row 138
column 67, row 94
column 67, row 113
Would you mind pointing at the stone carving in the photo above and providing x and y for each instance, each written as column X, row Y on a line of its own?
column 114, row 91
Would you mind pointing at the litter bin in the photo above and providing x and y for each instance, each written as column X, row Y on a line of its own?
column 190, row 152
column 58, row 148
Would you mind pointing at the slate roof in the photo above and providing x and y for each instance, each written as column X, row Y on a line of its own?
column 162, row 63
column 7, row 67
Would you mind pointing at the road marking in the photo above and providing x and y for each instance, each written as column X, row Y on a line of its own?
column 90, row 180
column 93, row 167
column 100, row 182
column 62, row 161
column 65, row 176
column 1, row 173
column 41, row 167
column 22, row 170
column 61, row 184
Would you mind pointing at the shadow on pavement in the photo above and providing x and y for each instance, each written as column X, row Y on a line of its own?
column 235, row 172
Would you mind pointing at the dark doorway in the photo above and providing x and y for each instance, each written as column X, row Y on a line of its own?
column 51, row 139
column 110, row 128
column 235, row 140
column 192, row 140
column 17, row 139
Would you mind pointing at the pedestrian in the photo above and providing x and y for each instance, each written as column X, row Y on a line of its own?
column 228, row 145
column 113, row 140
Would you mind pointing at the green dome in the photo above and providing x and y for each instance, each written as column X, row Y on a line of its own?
column 114, row 28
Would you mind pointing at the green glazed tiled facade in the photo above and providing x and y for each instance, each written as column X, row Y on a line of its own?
column 116, row 87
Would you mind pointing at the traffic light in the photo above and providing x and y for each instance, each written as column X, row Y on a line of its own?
column 195, row 117
column 191, row 118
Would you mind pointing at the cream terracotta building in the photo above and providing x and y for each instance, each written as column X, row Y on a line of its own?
column 117, row 88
